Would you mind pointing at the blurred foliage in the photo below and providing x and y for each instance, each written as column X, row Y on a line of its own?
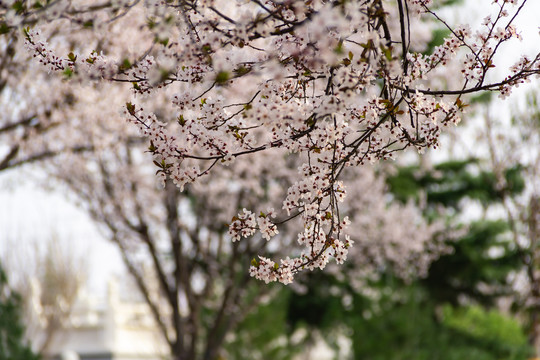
column 437, row 4
column 484, row 255
column 408, row 327
column 491, row 326
column 483, row 98
column 444, row 316
column 477, row 268
column 263, row 333
column 452, row 181
column 12, row 343
column 403, row 322
column 438, row 39
column 319, row 305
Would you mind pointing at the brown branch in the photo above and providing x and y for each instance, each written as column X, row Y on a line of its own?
column 402, row 28
column 181, row 276
column 139, row 280
column 48, row 154
column 213, row 333
column 11, row 126
column 489, row 87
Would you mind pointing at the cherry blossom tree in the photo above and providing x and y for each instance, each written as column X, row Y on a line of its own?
column 260, row 119
column 33, row 118
column 336, row 84
column 176, row 244
column 177, row 247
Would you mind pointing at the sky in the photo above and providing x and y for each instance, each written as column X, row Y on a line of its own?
column 29, row 214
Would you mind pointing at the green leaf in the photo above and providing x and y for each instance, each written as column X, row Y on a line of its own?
column 387, row 52
column 242, row 70
column 130, row 108
column 18, row 6
column 126, row 64
column 151, row 23
column 311, row 121
column 162, row 41
column 67, row 72
column 222, row 77
column 181, row 120
column 26, row 32
column 206, row 49
column 339, row 48
column 4, row 28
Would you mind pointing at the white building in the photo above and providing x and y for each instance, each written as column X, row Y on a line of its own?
column 119, row 327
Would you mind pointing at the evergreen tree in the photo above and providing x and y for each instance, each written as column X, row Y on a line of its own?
column 427, row 318
column 12, row 343
column 473, row 268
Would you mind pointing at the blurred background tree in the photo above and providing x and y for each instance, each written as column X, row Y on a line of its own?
column 452, row 313
column 47, row 276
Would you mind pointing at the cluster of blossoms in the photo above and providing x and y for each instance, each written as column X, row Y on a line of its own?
column 269, row 271
column 336, row 84
column 39, row 49
column 245, row 225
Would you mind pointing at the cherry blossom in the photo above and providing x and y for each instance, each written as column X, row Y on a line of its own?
column 333, row 85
